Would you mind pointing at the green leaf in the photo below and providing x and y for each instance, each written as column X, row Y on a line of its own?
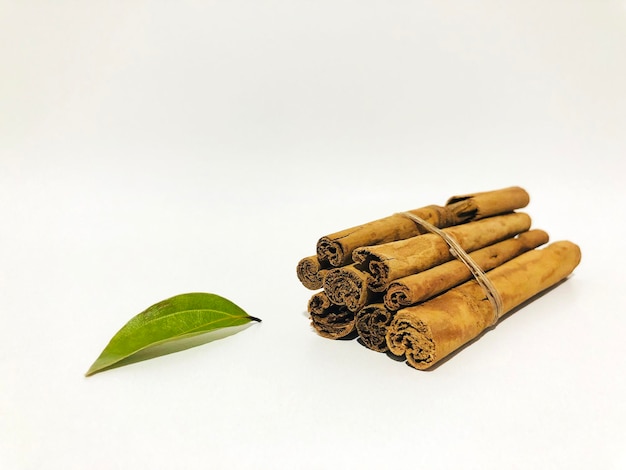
column 174, row 319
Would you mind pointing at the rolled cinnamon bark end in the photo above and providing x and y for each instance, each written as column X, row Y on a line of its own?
column 486, row 204
column 311, row 273
column 394, row 260
column 347, row 286
column 422, row 286
column 371, row 324
column 334, row 322
column 318, row 303
column 428, row 332
column 401, row 293
column 332, row 251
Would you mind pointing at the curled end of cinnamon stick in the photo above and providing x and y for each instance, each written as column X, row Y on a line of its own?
column 318, row 303
column 330, row 320
column 332, row 252
column 311, row 272
column 347, row 286
column 335, row 322
column 413, row 340
column 371, row 324
column 397, row 296
column 377, row 269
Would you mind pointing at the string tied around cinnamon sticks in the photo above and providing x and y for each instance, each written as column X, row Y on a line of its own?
column 459, row 253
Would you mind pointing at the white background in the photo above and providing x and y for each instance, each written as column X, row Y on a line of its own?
column 151, row 148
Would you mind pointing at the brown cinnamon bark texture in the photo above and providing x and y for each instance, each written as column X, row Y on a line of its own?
column 426, row 333
column 426, row 284
column 486, row 204
column 373, row 321
column 337, row 248
column 311, row 273
column 371, row 324
column 318, row 303
column 402, row 258
column 347, row 286
column 330, row 320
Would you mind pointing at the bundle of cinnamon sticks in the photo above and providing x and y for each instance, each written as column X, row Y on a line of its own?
column 397, row 284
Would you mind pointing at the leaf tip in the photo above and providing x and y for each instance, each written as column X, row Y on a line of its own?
column 255, row 319
column 95, row 368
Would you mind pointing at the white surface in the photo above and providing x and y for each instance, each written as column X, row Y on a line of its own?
column 148, row 150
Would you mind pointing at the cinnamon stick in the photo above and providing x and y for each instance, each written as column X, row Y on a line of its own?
column 477, row 206
column 337, row 248
column 426, row 284
column 371, row 324
column 426, row 333
column 311, row 273
column 330, row 320
column 318, row 303
column 373, row 320
column 402, row 258
column 347, row 286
